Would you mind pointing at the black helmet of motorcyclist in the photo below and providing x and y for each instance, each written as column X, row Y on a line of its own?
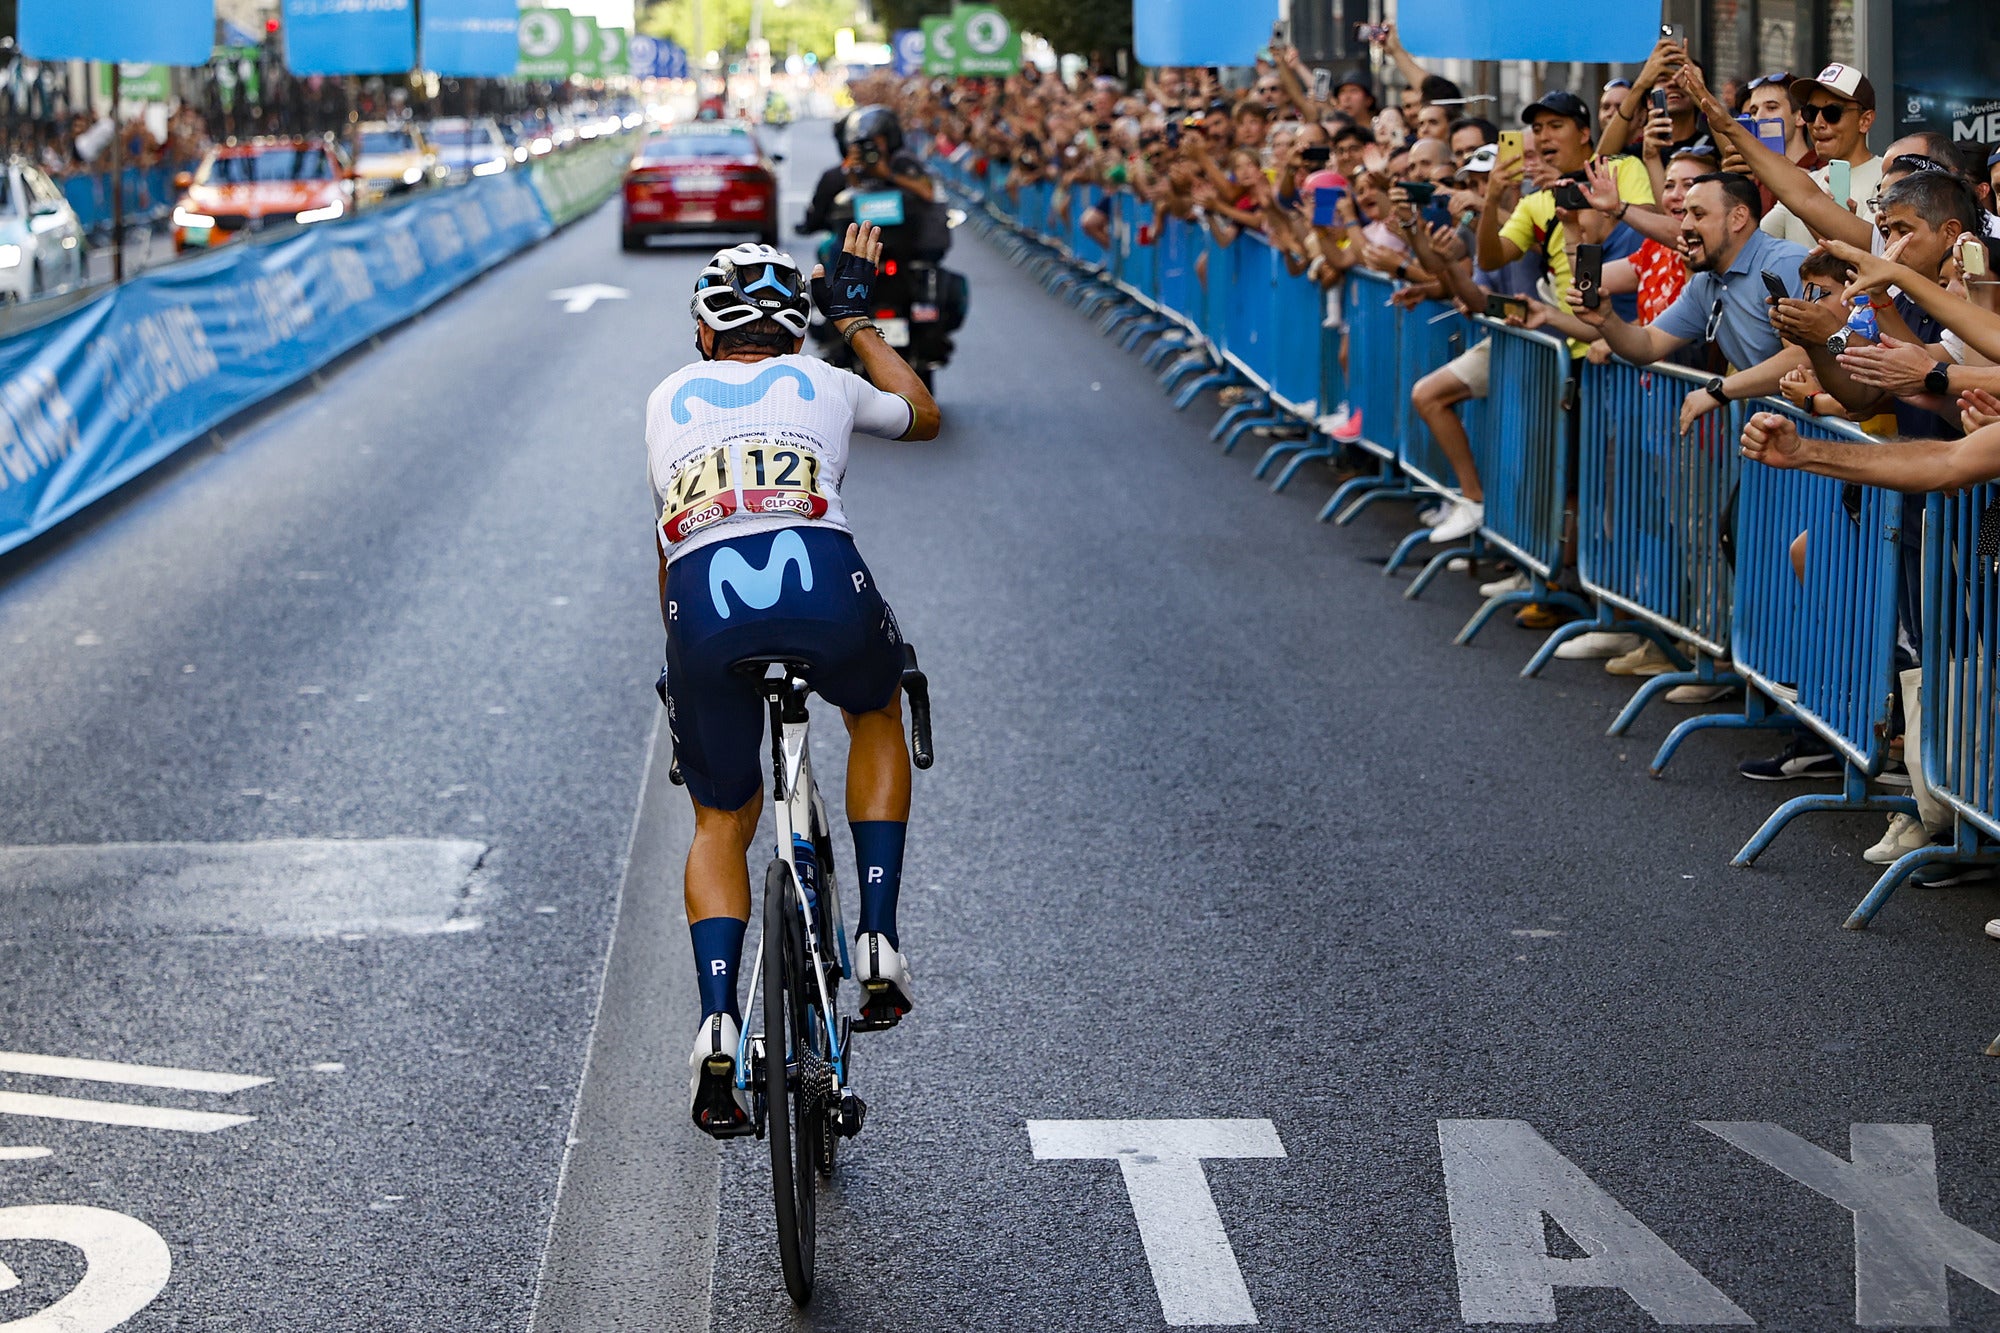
column 869, row 122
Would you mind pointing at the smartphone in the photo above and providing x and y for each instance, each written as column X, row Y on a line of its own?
column 1322, row 85
column 1674, row 32
column 1840, row 180
column 1372, row 33
column 1324, row 204
column 1511, row 147
column 1774, row 285
column 1315, row 157
column 1568, row 194
column 1658, row 98
column 1090, row 140
column 1420, row 192
column 1173, row 133
column 1589, row 275
column 1971, row 257
column 1281, row 33
column 1771, row 133
column 1501, row 307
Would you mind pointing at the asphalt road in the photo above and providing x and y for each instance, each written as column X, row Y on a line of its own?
column 338, row 747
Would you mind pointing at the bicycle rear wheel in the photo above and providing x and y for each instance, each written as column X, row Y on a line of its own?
column 789, row 1069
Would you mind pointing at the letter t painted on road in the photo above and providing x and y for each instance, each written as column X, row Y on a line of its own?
column 1194, row 1268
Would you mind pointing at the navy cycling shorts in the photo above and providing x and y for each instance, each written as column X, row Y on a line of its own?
column 798, row 592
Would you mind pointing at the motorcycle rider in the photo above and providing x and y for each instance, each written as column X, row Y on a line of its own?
column 873, row 159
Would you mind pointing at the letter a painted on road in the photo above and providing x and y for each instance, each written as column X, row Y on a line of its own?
column 1500, row 1179
column 337, row 37
column 154, row 32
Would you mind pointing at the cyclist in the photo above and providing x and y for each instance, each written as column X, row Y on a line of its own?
column 746, row 453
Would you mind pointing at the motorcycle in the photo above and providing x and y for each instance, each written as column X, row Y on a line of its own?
column 919, row 303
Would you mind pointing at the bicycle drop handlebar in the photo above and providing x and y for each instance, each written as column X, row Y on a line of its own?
column 918, row 686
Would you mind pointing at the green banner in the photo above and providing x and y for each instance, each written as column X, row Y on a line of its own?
column 544, row 44
column 940, row 46
column 138, row 83
column 579, row 178
column 987, row 43
column 236, row 76
column 612, row 54
column 583, row 47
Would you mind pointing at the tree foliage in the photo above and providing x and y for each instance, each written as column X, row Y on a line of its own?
column 798, row 25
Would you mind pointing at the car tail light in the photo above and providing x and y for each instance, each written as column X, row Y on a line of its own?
column 885, row 314
column 888, row 268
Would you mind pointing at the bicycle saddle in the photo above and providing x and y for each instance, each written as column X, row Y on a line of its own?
column 756, row 668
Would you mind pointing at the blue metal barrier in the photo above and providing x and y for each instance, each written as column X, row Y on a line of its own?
column 1527, row 488
column 1372, row 362
column 1273, row 340
column 1428, row 335
column 1653, row 508
column 1218, row 282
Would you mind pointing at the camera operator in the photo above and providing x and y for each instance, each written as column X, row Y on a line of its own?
column 873, row 159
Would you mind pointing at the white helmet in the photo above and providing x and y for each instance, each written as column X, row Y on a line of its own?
column 749, row 282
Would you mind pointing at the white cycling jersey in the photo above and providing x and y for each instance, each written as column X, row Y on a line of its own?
column 739, row 447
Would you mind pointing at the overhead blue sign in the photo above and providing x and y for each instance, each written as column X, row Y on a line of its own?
column 350, row 36
column 907, row 49
column 152, row 32
column 472, row 39
column 1201, row 32
column 1618, row 31
column 640, row 53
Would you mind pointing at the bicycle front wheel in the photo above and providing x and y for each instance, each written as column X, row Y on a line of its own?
column 790, row 1071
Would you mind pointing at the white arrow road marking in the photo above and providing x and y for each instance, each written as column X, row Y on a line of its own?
column 117, row 1113
column 138, row 1076
column 1194, row 1268
column 125, row 1265
column 576, row 300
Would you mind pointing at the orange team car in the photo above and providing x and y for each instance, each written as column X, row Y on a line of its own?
column 246, row 186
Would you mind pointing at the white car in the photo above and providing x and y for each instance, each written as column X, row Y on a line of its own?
column 42, row 245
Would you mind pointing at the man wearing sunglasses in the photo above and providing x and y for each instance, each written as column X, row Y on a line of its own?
column 1837, row 107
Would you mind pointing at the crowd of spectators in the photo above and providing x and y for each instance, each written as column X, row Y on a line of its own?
column 1697, row 201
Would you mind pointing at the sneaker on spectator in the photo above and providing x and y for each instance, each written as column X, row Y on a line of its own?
column 1459, row 564
column 1645, row 660
column 1500, row 587
column 1805, row 756
column 1462, row 521
column 1597, row 644
column 1945, row 875
column 1693, row 693
column 1993, row 928
column 1543, row 615
column 1232, row 394
column 1344, row 424
column 1433, row 515
column 1894, row 774
column 1906, row 834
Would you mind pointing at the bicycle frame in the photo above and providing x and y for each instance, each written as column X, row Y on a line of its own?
column 796, row 805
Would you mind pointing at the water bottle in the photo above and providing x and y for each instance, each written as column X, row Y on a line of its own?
column 1861, row 319
column 806, row 860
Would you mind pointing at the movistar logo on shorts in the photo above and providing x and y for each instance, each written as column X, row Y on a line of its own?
column 730, row 396
column 759, row 589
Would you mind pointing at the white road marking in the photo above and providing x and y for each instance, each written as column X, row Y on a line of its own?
column 25, row 1154
column 1501, row 1178
column 1187, row 1247
column 138, row 1076
column 1904, row 1246
column 117, row 1113
column 576, row 300
column 126, row 1264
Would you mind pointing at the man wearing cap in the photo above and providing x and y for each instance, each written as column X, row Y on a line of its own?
column 1838, row 107
column 1611, row 100
column 1355, row 98
column 1559, row 125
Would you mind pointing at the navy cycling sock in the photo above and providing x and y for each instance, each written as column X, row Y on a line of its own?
column 718, row 952
column 878, row 864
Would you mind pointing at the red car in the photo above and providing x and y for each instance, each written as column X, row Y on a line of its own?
column 242, row 187
column 701, row 176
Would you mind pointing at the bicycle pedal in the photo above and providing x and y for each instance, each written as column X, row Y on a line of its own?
column 852, row 1111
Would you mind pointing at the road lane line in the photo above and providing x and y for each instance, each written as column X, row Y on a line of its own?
column 1500, row 1179
column 117, row 1113
column 1194, row 1267
column 138, row 1076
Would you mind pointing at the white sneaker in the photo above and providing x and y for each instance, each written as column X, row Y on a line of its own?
column 1993, row 928
column 1463, row 520
column 1515, row 582
column 1433, row 516
column 884, row 973
column 1906, row 834
column 1696, row 693
column 1597, row 645
column 718, row 1106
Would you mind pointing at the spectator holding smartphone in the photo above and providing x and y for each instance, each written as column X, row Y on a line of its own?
column 1838, row 108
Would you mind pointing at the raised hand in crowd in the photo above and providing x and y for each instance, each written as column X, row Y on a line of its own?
column 1978, row 409
column 1894, row 367
column 1801, row 387
column 1807, row 324
column 1667, row 59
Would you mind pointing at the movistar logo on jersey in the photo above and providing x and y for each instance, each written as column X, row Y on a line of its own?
column 730, row 396
column 769, row 280
column 758, row 589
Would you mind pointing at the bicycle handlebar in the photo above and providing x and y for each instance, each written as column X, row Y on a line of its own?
column 918, row 687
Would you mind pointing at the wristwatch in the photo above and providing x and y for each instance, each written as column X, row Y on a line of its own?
column 1838, row 342
column 1714, row 390
column 857, row 326
column 1937, row 380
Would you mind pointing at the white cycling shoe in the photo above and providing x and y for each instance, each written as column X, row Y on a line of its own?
column 884, row 973
column 717, row 1104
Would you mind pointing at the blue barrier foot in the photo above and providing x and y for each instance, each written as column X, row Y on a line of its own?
column 1146, row 328
column 1562, row 634
column 1703, row 674
column 1299, row 460
column 1244, row 427
column 1404, row 549
column 1354, row 486
column 1854, row 795
column 1757, row 715
column 1438, row 564
column 1196, row 388
column 1539, row 592
column 1167, row 346
column 1279, row 449
column 1250, row 406
column 1194, row 363
column 1395, row 490
column 1965, row 849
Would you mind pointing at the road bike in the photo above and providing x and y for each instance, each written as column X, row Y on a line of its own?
column 797, row 1064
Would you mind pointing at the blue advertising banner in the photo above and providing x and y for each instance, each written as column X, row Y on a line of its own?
column 350, row 36
column 1201, row 32
column 471, row 39
column 1617, row 30
column 153, row 32
column 92, row 399
column 906, row 47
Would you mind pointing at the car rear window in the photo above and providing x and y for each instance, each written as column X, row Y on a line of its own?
column 387, row 141
column 269, row 164
column 675, row 147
